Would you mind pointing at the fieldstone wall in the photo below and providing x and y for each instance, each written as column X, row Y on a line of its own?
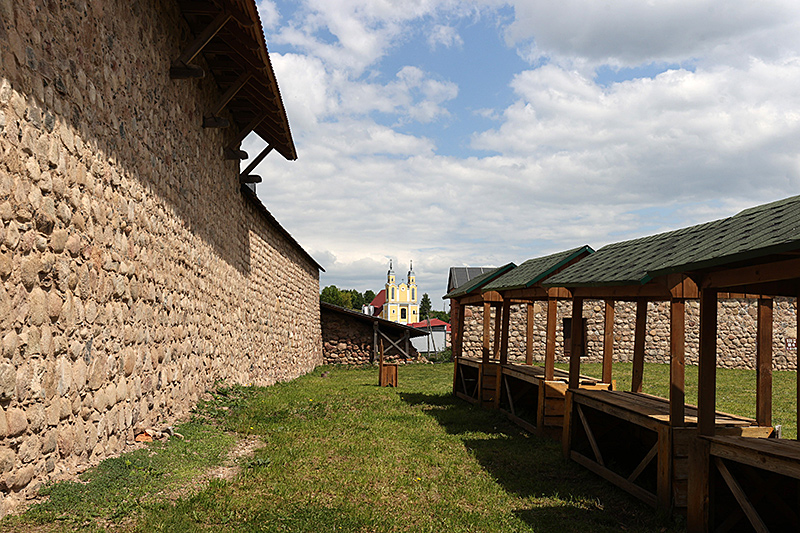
column 736, row 342
column 134, row 274
column 348, row 341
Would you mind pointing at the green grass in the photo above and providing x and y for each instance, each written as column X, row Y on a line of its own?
column 736, row 389
column 341, row 454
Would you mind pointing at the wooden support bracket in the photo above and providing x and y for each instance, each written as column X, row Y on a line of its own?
column 744, row 502
column 225, row 99
column 234, row 154
column 646, row 461
column 258, row 159
column 596, row 449
column 180, row 68
column 249, row 178
column 510, row 399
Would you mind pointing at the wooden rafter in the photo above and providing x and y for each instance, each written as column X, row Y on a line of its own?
column 208, row 120
column 180, row 68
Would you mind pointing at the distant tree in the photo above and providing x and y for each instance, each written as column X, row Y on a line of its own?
column 368, row 296
column 441, row 315
column 424, row 306
column 332, row 295
column 356, row 299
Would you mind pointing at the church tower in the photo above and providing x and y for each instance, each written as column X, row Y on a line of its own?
column 400, row 298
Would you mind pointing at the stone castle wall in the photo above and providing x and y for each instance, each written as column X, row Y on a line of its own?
column 736, row 343
column 134, row 274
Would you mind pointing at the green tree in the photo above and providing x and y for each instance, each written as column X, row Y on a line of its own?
column 332, row 295
column 368, row 296
column 441, row 315
column 424, row 306
column 356, row 299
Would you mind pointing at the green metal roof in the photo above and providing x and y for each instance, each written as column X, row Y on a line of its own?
column 534, row 270
column 755, row 232
column 478, row 282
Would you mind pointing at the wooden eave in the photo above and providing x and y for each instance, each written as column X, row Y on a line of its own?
column 674, row 286
column 775, row 275
column 239, row 48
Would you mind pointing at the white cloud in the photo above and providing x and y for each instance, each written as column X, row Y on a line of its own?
column 633, row 32
column 268, row 12
column 446, row 36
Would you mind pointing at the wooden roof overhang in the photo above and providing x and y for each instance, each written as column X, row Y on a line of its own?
column 229, row 36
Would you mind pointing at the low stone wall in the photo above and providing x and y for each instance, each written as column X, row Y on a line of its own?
column 736, row 326
column 348, row 341
column 134, row 273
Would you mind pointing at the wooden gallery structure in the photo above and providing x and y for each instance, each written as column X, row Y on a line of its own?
column 533, row 396
column 637, row 441
column 475, row 380
column 737, row 482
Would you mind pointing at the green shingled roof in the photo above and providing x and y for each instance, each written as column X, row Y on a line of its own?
column 755, row 232
column 534, row 270
column 478, row 282
column 761, row 230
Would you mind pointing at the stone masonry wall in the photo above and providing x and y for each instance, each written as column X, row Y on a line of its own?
column 735, row 341
column 133, row 272
column 348, row 341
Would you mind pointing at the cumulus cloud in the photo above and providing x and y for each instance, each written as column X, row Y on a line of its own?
column 268, row 12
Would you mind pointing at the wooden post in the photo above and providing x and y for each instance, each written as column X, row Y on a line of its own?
column 707, row 359
column 697, row 512
column 498, row 327
column 797, row 363
column 458, row 340
column 639, row 346
column 677, row 362
column 457, row 312
column 550, row 340
column 407, row 339
column 487, row 330
column 577, row 343
column 608, row 340
column 764, row 363
column 504, row 337
column 374, row 341
column 529, row 334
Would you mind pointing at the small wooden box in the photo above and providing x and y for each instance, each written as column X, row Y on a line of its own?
column 387, row 376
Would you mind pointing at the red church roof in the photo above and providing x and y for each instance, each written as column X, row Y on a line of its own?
column 435, row 322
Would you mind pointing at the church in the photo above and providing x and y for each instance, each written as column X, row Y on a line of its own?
column 397, row 302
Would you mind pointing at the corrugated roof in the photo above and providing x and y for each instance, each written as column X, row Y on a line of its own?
column 478, row 282
column 358, row 315
column 460, row 275
column 534, row 270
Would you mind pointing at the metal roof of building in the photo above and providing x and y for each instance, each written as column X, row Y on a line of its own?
column 460, row 275
column 534, row 270
column 478, row 282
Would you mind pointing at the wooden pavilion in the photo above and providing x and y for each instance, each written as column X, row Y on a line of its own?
column 741, row 483
column 476, row 380
column 638, row 441
column 533, row 396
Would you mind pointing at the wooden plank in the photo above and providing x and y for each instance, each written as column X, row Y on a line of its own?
column 762, row 273
column 540, row 407
column 487, row 330
column 577, row 343
column 524, row 424
column 637, row 491
column 554, row 407
column 623, row 410
column 744, row 502
column 764, row 363
column 550, row 346
column 510, row 399
column 707, row 371
column 589, row 435
column 529, row 334
column 643, row 463
column 677, row 362
column 640, row 332
column 766, row 454
column 608, row 340
column 466, row 397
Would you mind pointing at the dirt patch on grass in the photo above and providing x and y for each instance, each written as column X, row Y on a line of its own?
column 243, row 449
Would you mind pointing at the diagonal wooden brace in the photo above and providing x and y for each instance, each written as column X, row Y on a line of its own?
column 209, row 120
column 180, row 68
column 258, row 159
column 232, row 151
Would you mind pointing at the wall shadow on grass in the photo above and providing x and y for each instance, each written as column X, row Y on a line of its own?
column 564, row 496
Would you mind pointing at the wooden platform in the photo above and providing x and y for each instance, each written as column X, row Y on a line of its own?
column 754, row 483
column 626, row 438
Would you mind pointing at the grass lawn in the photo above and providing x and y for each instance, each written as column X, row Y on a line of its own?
column 339, row 453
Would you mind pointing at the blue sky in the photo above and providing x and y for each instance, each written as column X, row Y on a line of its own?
column 478, row 133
